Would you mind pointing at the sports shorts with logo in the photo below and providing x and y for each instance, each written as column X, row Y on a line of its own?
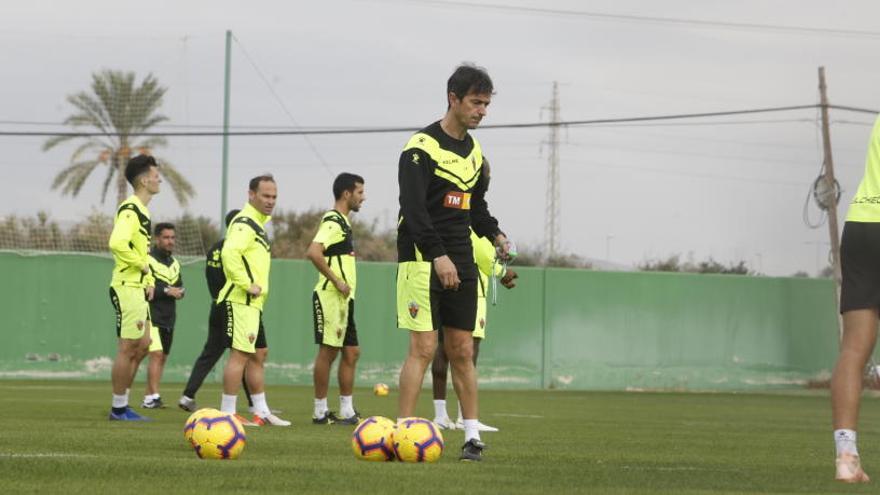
column 243, row 324
column 422, row 303
column 480, row 323
column 161, row 339
column 132, row 311
column 860, row 266
column 334, row 318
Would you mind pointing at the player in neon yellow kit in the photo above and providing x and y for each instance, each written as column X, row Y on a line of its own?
column 859, row 305
column 332, row 253
column 132, row 285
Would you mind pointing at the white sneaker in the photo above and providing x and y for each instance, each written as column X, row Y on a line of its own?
column 271, row 419
column 187, row 404
column 444, row 423
column 488, row 428
column 849, row 469
column 252, row 410
column 459, row 423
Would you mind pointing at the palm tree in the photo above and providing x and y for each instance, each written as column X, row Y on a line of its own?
column 122, row 110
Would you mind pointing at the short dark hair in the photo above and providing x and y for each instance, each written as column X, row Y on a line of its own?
column 255, row 182
column 162, row 226
column 468, row 78
column 230, row 216
column 138, row 165
column 345, row 182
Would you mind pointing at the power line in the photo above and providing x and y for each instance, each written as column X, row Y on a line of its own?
column 386, row 130
column 284, row 107
column 854, row 109
column 674, row 21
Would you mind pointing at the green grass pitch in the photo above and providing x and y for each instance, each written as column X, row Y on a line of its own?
column 55, row 438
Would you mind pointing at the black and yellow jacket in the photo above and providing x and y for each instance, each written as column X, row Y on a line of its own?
column 130, row 244
column 246, row 258
column 166, row 271
column 443, row 183
column 214, row 270
column 337, row 237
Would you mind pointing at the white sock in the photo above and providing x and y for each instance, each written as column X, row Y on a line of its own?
column 471, row 429
column 120, row 400
column 440, row 409
column 845, row 441
column 260, row 406
column 460, row 416
column 227, row 403
column 320, row 407
column 346, row 406
column 127, row 392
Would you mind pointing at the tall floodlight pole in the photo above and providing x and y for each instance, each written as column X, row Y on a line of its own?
column 551, row 221
column 224, row 181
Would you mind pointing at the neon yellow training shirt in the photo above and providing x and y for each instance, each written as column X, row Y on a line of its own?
column 246, row 257
column 335, row 235
column 130, row 244
column 865, row 206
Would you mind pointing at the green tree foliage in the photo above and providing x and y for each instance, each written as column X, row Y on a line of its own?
column 674, row 264
column 122, row 109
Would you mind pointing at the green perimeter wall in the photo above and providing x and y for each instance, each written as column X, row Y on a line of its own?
column 559, row 328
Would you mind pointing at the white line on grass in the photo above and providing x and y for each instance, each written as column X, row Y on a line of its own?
column 42, row 454
column 513, row 415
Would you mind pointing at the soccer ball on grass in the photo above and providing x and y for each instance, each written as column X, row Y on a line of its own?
column 193, row 418
column 371, row 440
column 219, row 436
column 417, row 440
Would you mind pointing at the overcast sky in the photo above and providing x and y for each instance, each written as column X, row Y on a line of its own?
column 715, row 187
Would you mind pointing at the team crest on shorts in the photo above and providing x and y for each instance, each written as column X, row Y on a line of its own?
column 413, row 309
column 251, row 338
column 482, row 323
column 338, row 332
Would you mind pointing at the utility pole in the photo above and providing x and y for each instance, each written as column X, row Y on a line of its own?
column 830, row 184
column 551, row 220
column 224, row 177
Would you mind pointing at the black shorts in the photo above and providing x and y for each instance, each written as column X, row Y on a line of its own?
column 860, row 266
column 422, row 303
column 166, row 335
column 454, row 308
column 217, row 323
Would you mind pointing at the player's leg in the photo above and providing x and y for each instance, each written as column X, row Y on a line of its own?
column 160, row 345
column 243, row 323
column 859, row 338
column 458, row 312
column 351, row 352
column 418, row 295
column 325, row 316
column 247, row 390
column 347, row 367
column 256, row 380
column 482, row 426
column 439, row 374
column 232, row 374
column 131, row 322
column 859, row 302
column 422, row 346
column 214, row 347
column 321, row 381
column 459, row 346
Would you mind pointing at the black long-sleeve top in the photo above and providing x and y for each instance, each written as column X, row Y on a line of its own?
column 443, row 183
